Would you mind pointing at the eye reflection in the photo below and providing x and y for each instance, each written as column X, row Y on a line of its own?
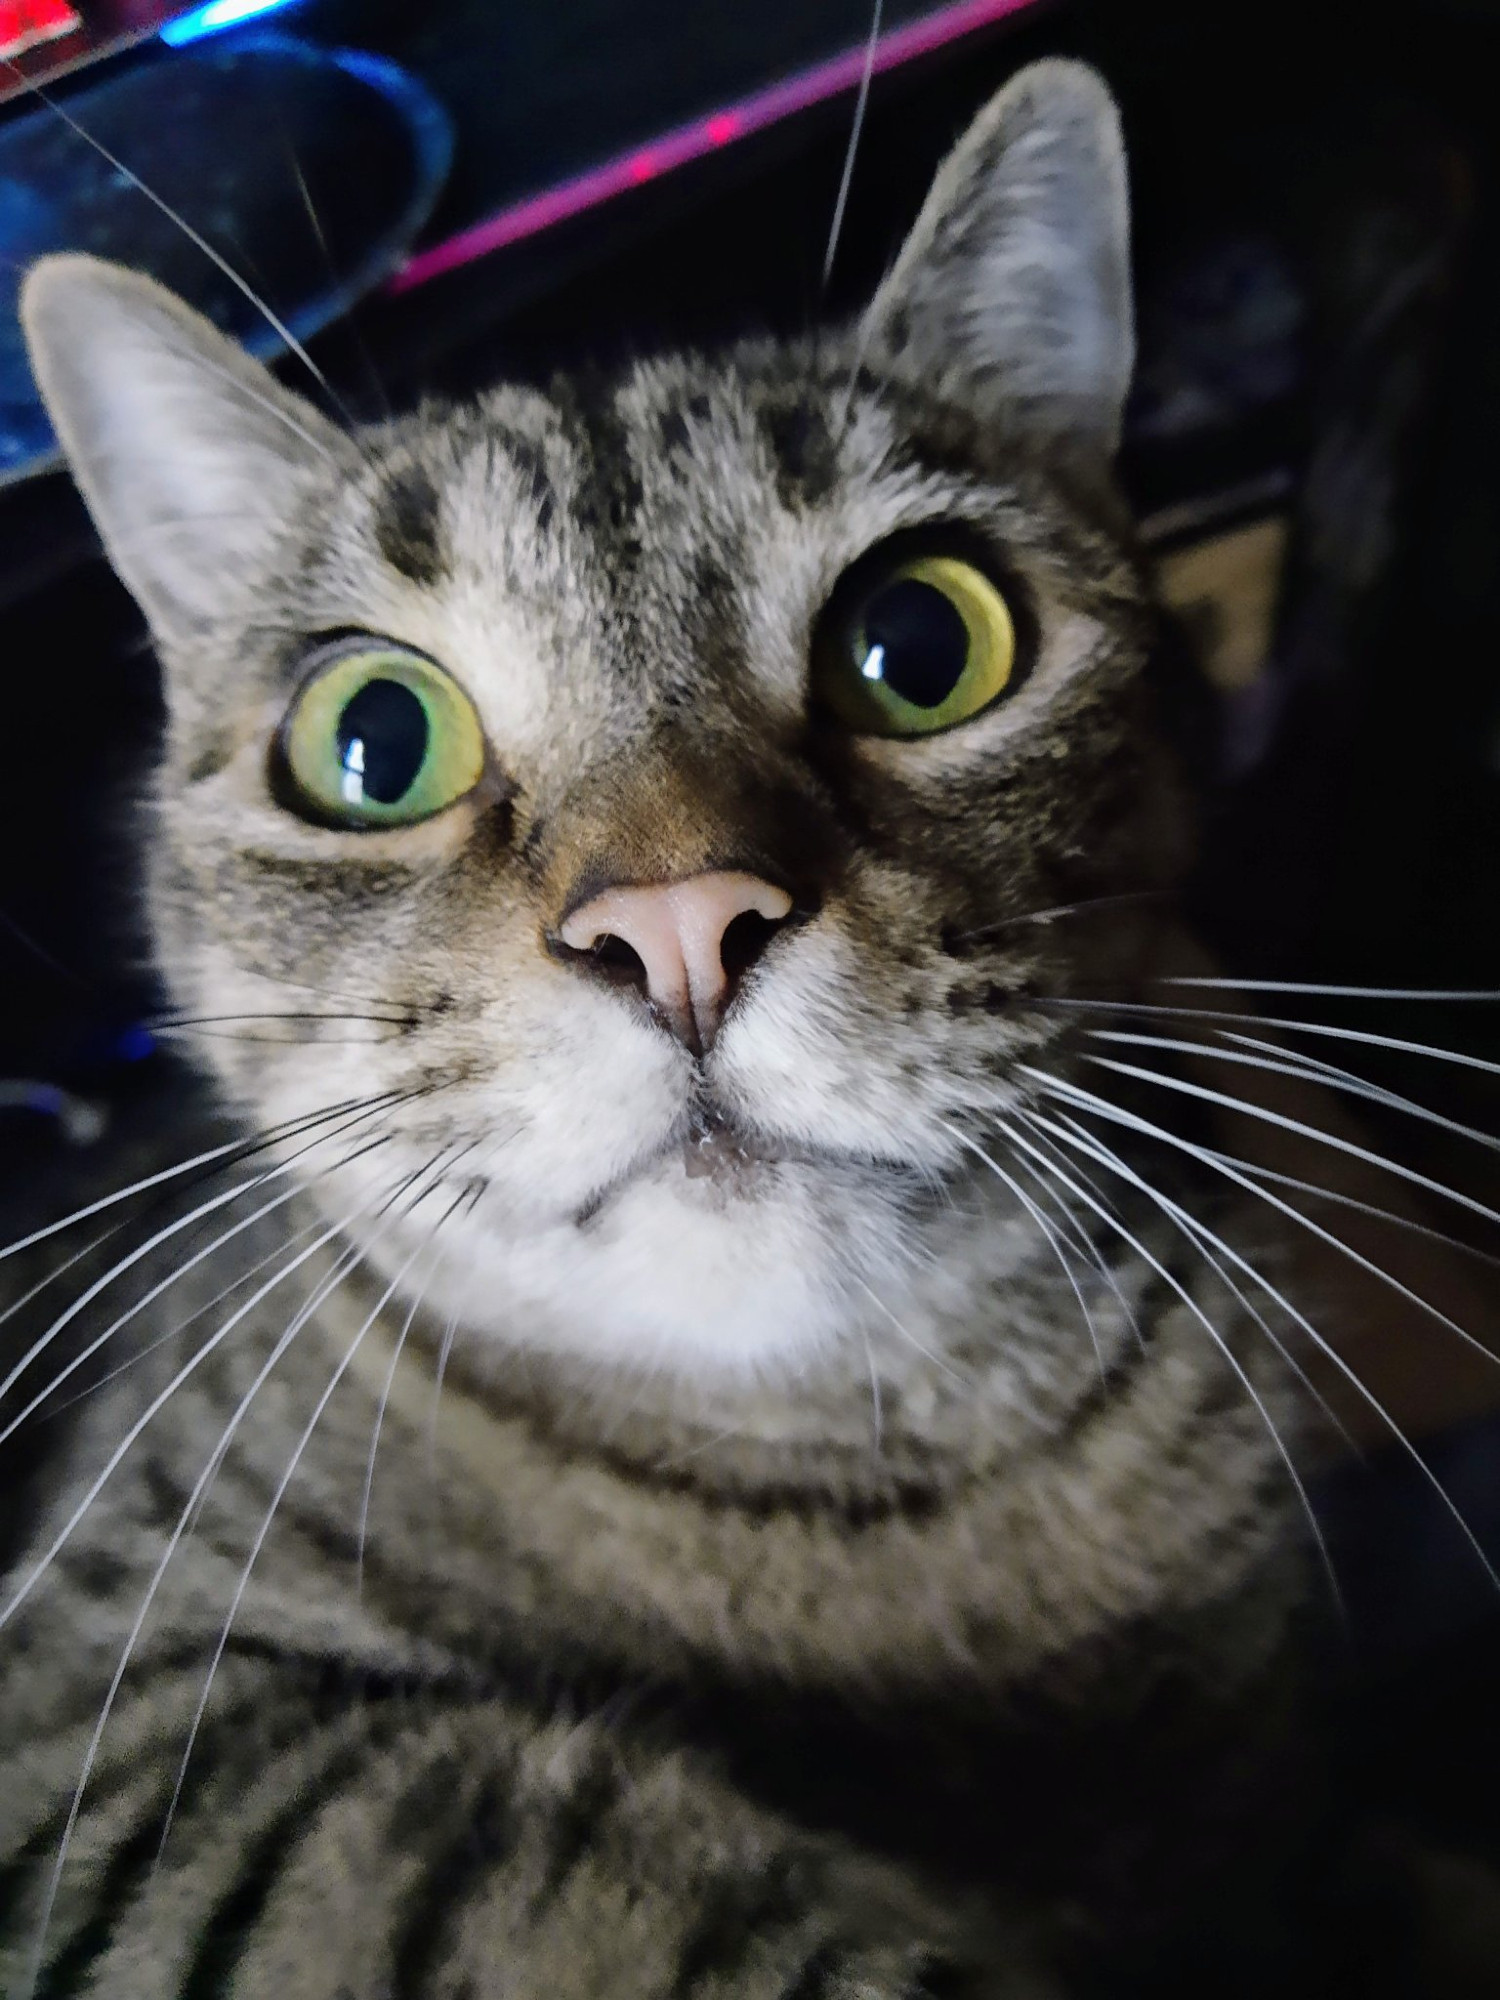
column 380, row 737
column 910, row 647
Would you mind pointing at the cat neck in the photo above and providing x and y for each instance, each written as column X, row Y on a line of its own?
column 795, row 1543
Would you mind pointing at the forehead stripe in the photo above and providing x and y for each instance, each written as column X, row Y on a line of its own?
column 408, row 525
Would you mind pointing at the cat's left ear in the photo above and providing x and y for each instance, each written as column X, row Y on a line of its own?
column 1012, row 293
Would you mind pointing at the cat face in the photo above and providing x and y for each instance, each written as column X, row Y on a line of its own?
column 674, row 894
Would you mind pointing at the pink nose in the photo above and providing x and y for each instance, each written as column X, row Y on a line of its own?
column 677, row 944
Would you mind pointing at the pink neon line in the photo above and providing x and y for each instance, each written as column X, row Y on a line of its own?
column 691, row 142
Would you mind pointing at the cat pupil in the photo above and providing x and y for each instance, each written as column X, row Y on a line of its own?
column 915, row 640
column 382, row 742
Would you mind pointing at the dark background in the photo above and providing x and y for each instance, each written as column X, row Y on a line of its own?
column 1318, row 248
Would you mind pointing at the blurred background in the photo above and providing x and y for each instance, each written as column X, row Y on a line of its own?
column 433, row 197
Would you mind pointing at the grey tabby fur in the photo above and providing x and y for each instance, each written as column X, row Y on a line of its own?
column 800, row 1585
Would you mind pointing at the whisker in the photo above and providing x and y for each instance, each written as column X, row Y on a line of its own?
column 385, row 1396
column 290, row 1014
column 1050, row 1236
column 1085, row 906
column 320, row 1292
column 1221, row 1162
column 150, row 1347
column 1212, row 1331
column 861, row 103
column 1218, row 1015
column 1306, row 1069
column 1199, row 1090
column 686, row 1456
column 390, row 1377
column 241, row 1146
column 1369, row 1208
column 1320, row 1069
column 343, row 994
column 1092, row 1251
column 1241, row 1175
column 905, row 1332
column 178, row 1271
column 1394, row 1042
column 1207, row 1241
column 1055, row 1241
column 1460, row 994
column 158, row 1402
column 40, row 952
column 201, row 363
column 877, row 1415
column 61, row 1270
column 93, row 1346
column 865, row 327
column 173, row 1032
column 284, row 1482
column 316, row 222
column 143, row 1250
column 200, row 242
column 445, row 1351
column 1088, row 1100
column 248, row 1148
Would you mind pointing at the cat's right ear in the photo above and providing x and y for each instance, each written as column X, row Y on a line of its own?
column 190, row 455
column 1012, row 294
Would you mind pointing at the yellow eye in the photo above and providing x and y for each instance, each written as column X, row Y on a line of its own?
column 930, row 642
column 381, row 737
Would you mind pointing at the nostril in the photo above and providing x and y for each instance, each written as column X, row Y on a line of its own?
column 615, row 960
column 684, row 944
column 744, row 939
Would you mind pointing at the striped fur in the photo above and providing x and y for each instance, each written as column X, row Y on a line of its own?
column 565, row 1738
column 802, row 1582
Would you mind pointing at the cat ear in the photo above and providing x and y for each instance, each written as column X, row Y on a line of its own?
column 189, row 454
column 1012, row 292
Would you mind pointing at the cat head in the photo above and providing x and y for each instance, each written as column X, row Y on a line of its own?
column 636, row 804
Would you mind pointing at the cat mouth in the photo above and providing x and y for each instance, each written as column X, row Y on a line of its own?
column 716, row 1148
column 711, row 1147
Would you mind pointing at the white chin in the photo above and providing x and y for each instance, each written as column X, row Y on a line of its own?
column 712, row 1277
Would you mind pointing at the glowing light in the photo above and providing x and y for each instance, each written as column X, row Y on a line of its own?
column 874, row 666
column 25, row 23
column 684, row 143
column 135, row 1044
column 217, row 14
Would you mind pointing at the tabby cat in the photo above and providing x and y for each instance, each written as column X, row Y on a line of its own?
column 680, row 1462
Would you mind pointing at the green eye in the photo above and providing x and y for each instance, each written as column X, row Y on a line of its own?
column 381, row 738
column 929, row 643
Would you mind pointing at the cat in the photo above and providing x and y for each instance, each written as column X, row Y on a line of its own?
column 628, row 852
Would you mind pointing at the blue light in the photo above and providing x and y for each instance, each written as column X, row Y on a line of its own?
column 135, row 1044
column 216, row 15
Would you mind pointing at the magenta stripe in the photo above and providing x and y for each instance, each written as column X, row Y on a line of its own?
column 704, row 135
